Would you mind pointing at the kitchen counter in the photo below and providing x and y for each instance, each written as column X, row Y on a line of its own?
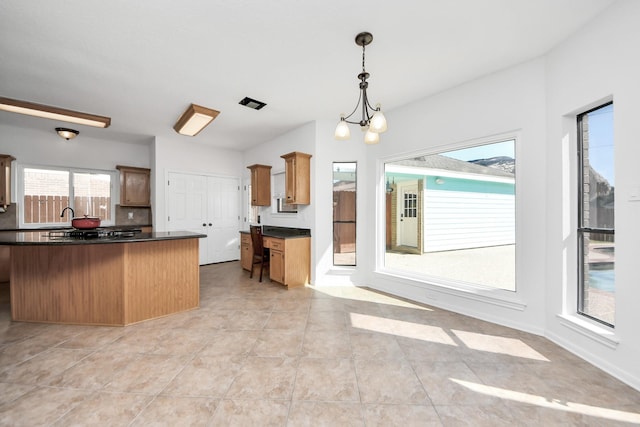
column 39, row 237
column 113, row 281
column 282, row 232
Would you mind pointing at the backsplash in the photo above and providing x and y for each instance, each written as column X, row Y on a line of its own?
column 9, row 219
column 141, row 216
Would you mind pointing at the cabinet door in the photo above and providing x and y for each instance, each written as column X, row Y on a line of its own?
column 135, row 187
column 297, row 178
column 276, row 266
column 5, row 179
column 246, row 251
column 245, row 257
column 260, row 185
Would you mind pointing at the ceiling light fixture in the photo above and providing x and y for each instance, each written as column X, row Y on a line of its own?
column 194, row 119
column 67, row 133
column 372, row 121
column 53, row 113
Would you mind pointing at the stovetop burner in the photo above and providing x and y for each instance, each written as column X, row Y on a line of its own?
column 97, row 233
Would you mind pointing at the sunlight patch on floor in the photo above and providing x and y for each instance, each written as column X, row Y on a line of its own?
column 545, row 402
column 496, row 344
column 365, row 295
column 401, row 328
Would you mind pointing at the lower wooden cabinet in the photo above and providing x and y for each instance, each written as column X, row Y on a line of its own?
column 246, row 251
column 289, row 259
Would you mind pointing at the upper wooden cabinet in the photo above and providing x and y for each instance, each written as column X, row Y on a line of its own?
column 5, row 179
column 297, row 178
column 135, row 186
column 260, row 185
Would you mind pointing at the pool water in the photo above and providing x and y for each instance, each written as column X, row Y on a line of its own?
column 603, row 280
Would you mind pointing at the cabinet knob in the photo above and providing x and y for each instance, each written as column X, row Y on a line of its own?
column 210, row 224
column 204, row 224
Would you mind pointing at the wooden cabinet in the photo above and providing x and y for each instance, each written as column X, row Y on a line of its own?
column 135, row 186
column 290, row 260
column 297, row 178
column 5, row 179
column 246, row 251
column 260, row 185
column 276, row 266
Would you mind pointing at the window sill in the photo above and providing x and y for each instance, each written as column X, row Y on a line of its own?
column 496, row 297
column 599, row 333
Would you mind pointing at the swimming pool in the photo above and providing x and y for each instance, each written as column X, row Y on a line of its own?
column 603, row 280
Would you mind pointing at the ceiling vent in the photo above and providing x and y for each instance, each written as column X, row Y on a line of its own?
column 252, row 103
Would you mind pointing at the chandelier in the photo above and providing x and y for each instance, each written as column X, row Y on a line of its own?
column 372, row 121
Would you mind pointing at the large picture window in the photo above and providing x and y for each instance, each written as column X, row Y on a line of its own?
column 596, row 240
column 47, row 191
column 450, row 216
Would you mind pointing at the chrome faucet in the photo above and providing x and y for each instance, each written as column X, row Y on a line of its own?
column 63, row 210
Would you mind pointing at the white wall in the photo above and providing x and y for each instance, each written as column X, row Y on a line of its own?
column 328, row 150
column 595, row 64
column 38, row 147
column 511, row 102
column 47, row 148
column 300, row 139
column 178, row 154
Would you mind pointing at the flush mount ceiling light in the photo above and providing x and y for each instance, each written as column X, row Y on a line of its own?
column 54, row 113
column 67, row 133
column 372, row 121
column 194, row 119
column 251, row 103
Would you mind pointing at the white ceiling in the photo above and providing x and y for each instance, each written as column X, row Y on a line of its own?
column 143, row 62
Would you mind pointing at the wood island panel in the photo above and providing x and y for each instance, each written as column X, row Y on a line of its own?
column 71, row 284
column 157, row 278
column 104, row 284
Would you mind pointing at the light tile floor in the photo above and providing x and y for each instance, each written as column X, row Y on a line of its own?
column 256, row 354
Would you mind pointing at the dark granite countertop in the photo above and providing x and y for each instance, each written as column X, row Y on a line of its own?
column 283, row 232
column 39, row 237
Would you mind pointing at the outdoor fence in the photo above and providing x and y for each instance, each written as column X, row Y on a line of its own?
column 47, row 209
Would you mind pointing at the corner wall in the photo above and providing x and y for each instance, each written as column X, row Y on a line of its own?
column 598, row 63
column 510, row 102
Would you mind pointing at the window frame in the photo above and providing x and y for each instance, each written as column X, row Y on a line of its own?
column 355, row 221
column 115, row 193
column 474, row 291
column 581, row 230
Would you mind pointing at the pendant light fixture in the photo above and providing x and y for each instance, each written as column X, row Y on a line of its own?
column 372, row 121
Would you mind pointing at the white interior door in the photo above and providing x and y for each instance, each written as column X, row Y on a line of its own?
column 408, row 214
column 209, row 205
column 187, row 206
column 223, row 218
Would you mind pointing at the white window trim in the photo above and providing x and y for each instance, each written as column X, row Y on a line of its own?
column 115, row 193
column 508, row 299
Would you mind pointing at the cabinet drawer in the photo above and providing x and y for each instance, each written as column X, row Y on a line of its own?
column 277, row 244
column 245, row 238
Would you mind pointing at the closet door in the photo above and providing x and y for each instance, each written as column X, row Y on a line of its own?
column 209, row 205
column 223, row 218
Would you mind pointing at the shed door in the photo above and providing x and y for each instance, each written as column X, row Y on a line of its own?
column 408, row 214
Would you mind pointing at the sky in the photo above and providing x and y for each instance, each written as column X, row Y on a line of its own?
column 601, row 149
column 505, row 148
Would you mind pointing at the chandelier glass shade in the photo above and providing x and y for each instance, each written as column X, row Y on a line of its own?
column 372, row 120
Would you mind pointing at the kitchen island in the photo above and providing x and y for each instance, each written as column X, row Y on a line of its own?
column 105, row 281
